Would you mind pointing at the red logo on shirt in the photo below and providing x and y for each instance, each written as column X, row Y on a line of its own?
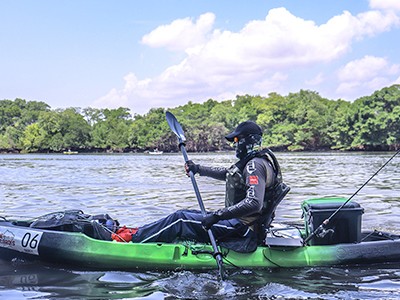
column 253, row 179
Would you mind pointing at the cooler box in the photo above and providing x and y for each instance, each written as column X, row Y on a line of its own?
column 344, row 227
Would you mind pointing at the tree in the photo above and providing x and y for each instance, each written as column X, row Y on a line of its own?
column 377, row 119
column 57, row 131
column 151, row 131
column 312, row 116
column 224, row 113
column 75, row 130
column 14, row 117
column 342, row 131
column 273, row 119
column 112, row 129
column 19, row 112
column 92, row 115
column 33, row 138
column 298, row 121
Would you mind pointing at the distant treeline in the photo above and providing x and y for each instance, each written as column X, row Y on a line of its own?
column 298, row 121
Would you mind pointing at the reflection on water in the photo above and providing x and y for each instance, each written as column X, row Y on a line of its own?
column 29, row 280
column 138, row 188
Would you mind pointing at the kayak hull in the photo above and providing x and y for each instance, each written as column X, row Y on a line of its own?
column 78, row 250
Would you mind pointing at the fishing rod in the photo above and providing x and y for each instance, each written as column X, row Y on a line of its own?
column 321, row 227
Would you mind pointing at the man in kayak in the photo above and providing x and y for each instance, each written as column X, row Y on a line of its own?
column 254, row 188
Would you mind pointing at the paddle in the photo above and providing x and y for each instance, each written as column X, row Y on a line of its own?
column 177, row 129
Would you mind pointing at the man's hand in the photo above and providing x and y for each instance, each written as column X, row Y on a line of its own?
column 191, row 166
column 209, row 221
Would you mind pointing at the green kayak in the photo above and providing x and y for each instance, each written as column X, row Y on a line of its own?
column 341, row 243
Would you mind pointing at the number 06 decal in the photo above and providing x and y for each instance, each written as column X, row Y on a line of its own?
column 19, row 239
column 29, row 240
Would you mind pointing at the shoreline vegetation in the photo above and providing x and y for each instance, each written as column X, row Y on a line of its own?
column 302, row 121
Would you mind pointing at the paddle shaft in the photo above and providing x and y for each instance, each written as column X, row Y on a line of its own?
column 194, row 183
column 217, row 254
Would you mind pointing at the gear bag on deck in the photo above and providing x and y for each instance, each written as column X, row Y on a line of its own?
column 98, row 226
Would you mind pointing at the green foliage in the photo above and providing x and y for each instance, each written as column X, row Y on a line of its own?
column 57, row 131
column 377, row 119
column 33, row 138
column 224, row 113
column 313, row 116
column 14, row 117
column 150, row 131
column 298, row 121
column 111, row 129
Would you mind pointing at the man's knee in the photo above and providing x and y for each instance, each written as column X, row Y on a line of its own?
column 186, row 214
column 179, row 213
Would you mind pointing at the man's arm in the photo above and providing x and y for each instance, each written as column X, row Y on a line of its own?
column 213, row 172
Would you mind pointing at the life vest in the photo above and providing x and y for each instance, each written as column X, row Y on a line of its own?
column 124, row 234
column 275, row 191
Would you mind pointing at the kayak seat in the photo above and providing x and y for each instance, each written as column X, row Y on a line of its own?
column 268, row 215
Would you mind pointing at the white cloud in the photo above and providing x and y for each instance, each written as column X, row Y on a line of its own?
column 316, row 80
column 366, row 74
column 272, row 83
column 181, row 34
column 251, row 60
column 123, row 98
column 362, row 69
column 374, row 22
column 385, row 4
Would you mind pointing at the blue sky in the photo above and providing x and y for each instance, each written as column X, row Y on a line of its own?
column 146, row 54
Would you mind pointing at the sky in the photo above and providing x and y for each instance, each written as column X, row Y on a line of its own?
column 149, row 54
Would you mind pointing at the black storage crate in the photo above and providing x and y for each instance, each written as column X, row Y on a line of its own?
column 344, row 227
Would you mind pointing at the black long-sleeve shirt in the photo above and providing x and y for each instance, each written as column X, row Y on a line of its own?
column 258, row 174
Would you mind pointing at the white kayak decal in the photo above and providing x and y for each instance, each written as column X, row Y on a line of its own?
column 21, row 240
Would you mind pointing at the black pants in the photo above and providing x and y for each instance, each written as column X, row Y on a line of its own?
column 186, row 225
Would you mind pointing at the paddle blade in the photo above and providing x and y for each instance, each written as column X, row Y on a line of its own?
column 175, row 126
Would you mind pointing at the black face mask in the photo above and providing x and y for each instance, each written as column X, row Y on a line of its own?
column 246, row 145
column 241, row 148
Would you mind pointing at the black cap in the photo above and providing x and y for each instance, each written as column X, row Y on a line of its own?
column 244, row 129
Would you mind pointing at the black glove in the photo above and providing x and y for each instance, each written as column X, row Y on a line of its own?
column 209, row 221
column 191, row 166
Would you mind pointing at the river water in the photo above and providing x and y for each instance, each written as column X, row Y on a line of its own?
column 139, row 188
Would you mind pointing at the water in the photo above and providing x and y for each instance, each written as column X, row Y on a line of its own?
column 139, row 188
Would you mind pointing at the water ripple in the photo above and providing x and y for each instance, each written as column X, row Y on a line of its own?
column 139, row 188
